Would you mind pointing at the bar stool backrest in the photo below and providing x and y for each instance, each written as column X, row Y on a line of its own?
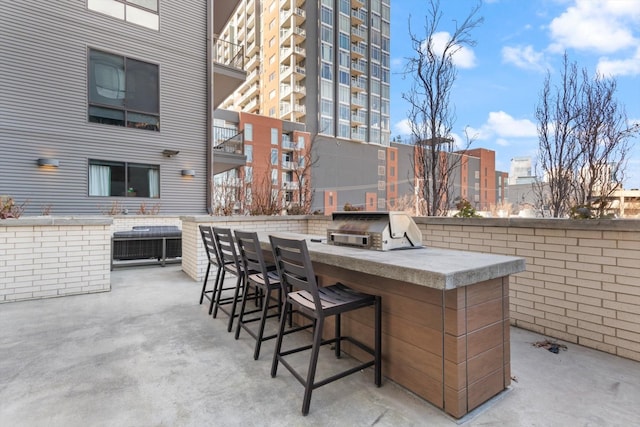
column 251, row 253
column 294, row 267
column 227, row 247
column 206, row 232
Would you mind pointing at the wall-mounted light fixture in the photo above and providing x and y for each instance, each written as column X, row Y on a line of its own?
column 188, row 172
column 53, row 163
column 170, row 153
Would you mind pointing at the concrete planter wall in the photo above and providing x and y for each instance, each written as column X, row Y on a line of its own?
column 43, row 257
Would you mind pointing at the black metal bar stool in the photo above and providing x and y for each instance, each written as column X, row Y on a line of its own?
column 264, row 279
column 206, row 232
column 226, row 246
column 296, row 272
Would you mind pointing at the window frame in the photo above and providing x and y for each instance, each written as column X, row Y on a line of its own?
column 122, row 115
column 128, row 185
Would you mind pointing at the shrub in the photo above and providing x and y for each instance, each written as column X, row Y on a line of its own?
column 466, row 210
column 9, row 209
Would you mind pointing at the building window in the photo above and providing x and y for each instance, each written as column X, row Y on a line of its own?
column 139, row 12
column 123, row 179
column 274, row 176
column 248, row 151
column 381, row 170
column 274, row 136
column 248, row 132
column 123, row 91
column 300, row 142
column 381, row 154
column 248, row 173
column 274, row 156
column 381, row 185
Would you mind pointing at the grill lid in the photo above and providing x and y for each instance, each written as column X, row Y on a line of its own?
column 377, row 230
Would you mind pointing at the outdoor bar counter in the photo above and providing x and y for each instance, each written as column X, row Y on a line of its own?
column 445, row 316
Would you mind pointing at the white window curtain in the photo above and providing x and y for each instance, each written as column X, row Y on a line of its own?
column 99, row 180
column 154, row 182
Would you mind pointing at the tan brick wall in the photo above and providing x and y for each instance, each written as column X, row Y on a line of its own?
column 43, row 258
column 582, row 278
column 127, row 222
column 194, row 257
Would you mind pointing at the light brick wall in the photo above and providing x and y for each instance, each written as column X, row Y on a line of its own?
column 582, row 278
column 194, row 257
column 127, row 222
column 51, row 257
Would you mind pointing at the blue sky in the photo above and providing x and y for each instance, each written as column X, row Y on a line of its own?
column 499, row 80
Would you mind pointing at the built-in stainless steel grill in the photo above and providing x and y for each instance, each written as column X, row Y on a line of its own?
column 381, row 231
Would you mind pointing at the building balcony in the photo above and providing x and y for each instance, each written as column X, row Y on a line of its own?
column 228, row 69
column 253, row 61
column 358, row 17
column 358, row 119
column 290, row 185
column 358, row 68
column 358, row 101
column 297, row 91
column 357, row 4
column 228, row 149
column 358, row 85
column 358, row 51
column 252, row 48
column 358, row 33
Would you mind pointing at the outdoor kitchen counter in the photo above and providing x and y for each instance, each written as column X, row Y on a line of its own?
column 432, row 267
column 445, row 316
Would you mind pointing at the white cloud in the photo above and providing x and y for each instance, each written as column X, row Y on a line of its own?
column 605, row 26
column 502, row 125
column 463, row 57
column 403, row 127
column 620, row 67
column 525, row 57
column 502, row 142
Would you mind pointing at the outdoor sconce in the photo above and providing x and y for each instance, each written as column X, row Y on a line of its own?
column 170, row 153
column 53, row 163
column 188, row 172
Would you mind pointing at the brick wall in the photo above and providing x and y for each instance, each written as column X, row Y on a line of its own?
column 51, row 257
column 582, row 278
column 127, row 222
column 194, row 257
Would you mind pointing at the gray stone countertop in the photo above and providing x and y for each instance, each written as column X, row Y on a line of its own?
column 432, row 267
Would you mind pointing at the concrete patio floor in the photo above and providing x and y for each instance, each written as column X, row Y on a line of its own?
column 147, row 354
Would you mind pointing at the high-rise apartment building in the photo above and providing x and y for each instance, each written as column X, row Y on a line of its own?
column 324, row 63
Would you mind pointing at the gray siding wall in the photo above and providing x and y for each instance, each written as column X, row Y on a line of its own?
column 350, row 168
column 406, row 176
column 43, row 104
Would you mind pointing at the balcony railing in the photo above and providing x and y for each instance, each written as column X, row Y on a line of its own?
column 227, row 53
column 232, row 140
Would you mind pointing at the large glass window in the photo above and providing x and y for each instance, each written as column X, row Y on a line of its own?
column 123, row 91
column 139, row 12
column 327, row 16
column 248, row 151
column 274, row 156
column 248, row 132
column 108, row 178
column 274, row 136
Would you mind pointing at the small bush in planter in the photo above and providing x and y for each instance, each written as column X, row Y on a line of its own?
column 9, row 208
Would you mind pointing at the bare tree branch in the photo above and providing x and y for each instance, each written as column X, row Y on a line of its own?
column 430, row 115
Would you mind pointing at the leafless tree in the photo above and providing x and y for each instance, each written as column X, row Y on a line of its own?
column 431, row 116
column 583, row 141
column 557, row 114
column 227, row 194
column 266, row 199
